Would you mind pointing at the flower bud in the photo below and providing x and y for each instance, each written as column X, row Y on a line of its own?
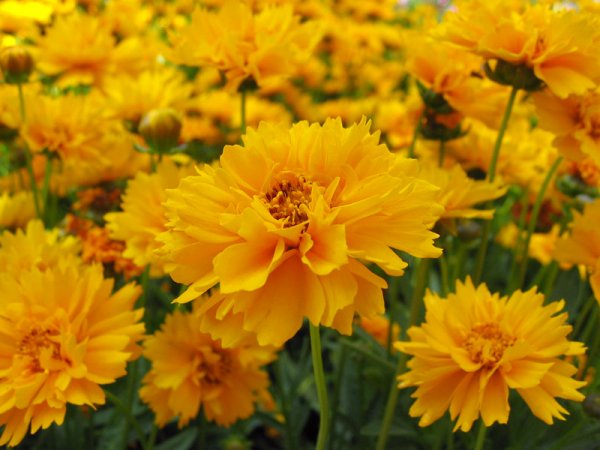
column 161, row 129
column 16, row 63
column 591, row 405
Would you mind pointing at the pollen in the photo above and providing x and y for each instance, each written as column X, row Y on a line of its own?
column 486, row 344
column 288, row 200
column 36, row 343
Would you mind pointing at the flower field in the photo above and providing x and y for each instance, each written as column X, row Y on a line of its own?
column 286, row 224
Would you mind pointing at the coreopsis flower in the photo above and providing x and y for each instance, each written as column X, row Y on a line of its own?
column 582, row 244
column 474, row 346
column 143, row 216
column 529, row 45
column 295, row 213
column 575, row 121
column 17, row 209
column 71, row 126
column 461, row 84
column 81, row 49
column 264, row 46
column 458, row 193
column 190, row 370
column 131, row 97
column 38, row 248
column 63, row 335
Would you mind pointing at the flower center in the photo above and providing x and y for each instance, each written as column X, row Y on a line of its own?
column 38, row 347
column 288, row 200
column 486, row 344
column 215, row 365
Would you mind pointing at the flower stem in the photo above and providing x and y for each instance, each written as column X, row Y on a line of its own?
column 28, row 158
column 533, row 220
column 481, row 432
column 415, row 307
column 317, row 360
column 491, row 175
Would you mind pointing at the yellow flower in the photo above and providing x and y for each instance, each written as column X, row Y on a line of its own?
column 474, row 346
column 69, row 125
column 582, row 245
column 293, row 213
column 192, row 370
column 265, row 46
column 38, row 248
column 557, row 47
column 143, row 215
column 458, row 193
column 131, row 97
column 81, row 49
column 16, row 210
column 461, row 83
column 63, row 335
column 575, row 121
column 23, row 16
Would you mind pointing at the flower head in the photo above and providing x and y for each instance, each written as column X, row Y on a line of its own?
column 532, row 44
column 190, row 370
column 143, row 215
column 63, row 335
column 264, row 46
column 474, row 346
column 582, row 245
column 292, row 214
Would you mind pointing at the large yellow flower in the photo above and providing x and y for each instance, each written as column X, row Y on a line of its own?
column 575, row 121
column 190, row 370
column 474, row 346
column 265, row 46
column 143, row 215
column 559, row 47
column 582, row 245
column 63, row 334
column 292, row 215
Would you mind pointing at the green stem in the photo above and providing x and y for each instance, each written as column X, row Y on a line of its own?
column 285, row 407
column 46, row 189
column 491, row 175
column 28, row 158
column 517, row 249
column 337, row 387
column 411, row 149
column 481, row 432
column 393, row 290
column 415, row 307
column 152, row 438
column 201, row 439
column 533, row 220
column 317, row 360
column 129, row 416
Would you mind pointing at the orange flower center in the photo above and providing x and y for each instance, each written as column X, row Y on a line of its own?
column 215, row 364
column 486, row 344
column 39, row 344
column 288, row 200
